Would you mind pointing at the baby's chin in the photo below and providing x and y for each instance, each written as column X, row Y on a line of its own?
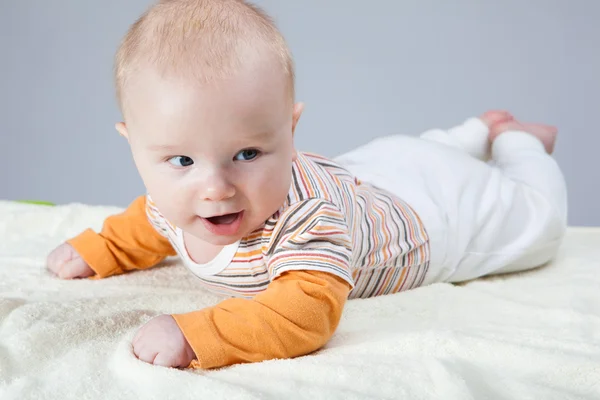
column 221, row 240
column 215, row 240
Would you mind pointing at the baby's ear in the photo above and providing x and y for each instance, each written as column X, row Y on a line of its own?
column 122, row 129
column 298, row 109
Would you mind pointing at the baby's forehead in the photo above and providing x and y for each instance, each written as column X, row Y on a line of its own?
column 177, row 110
column 251, row 89
column 216, row 140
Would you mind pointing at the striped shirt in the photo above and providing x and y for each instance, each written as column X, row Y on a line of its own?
column 330, row 222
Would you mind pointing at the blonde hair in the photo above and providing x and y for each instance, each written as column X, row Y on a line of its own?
column 204, row 40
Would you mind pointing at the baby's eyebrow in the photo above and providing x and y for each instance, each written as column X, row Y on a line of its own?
column 161, row 147
column 261, row 135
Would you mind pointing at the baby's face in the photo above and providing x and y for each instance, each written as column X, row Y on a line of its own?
column 217, row 160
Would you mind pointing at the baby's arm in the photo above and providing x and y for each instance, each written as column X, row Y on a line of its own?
column 301, row 308
column 126, row 242
column 296, row 315
column 309, row 265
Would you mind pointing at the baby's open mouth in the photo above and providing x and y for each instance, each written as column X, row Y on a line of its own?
column 223, row 219
column 225, row 225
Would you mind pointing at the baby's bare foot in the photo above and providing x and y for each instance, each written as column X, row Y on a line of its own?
column 545, row 133
column 493, row 117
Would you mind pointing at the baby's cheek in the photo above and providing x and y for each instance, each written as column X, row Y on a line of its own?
column 170, row 201
column 275, row 186
column 151, row 178
column 271, row 180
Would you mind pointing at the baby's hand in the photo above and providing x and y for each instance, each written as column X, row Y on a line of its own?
column 161, row 342
column 65, row 262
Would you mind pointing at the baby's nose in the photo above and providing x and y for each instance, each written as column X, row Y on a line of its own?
column 217, row 188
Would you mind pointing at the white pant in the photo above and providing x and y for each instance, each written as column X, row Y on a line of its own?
column 506, row 215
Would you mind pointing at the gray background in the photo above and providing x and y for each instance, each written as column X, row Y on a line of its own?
column 363, row 71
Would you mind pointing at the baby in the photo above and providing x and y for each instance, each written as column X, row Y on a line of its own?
column 206, row 88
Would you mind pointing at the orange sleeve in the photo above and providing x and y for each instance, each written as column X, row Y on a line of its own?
column 127, row 241
column 296, row 315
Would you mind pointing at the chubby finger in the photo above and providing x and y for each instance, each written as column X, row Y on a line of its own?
column 72, row 269
column 145, row 353
column 67, row 269
column 164, row 360
column 53, row 264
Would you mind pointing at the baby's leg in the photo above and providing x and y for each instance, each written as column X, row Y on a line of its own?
column 524, row 207
column 481, row 219
column 472, row 136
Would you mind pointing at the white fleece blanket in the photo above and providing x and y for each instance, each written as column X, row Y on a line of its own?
column 533, row 335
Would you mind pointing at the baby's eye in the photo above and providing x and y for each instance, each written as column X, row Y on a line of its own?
column 246, row 155
column 181, row 161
